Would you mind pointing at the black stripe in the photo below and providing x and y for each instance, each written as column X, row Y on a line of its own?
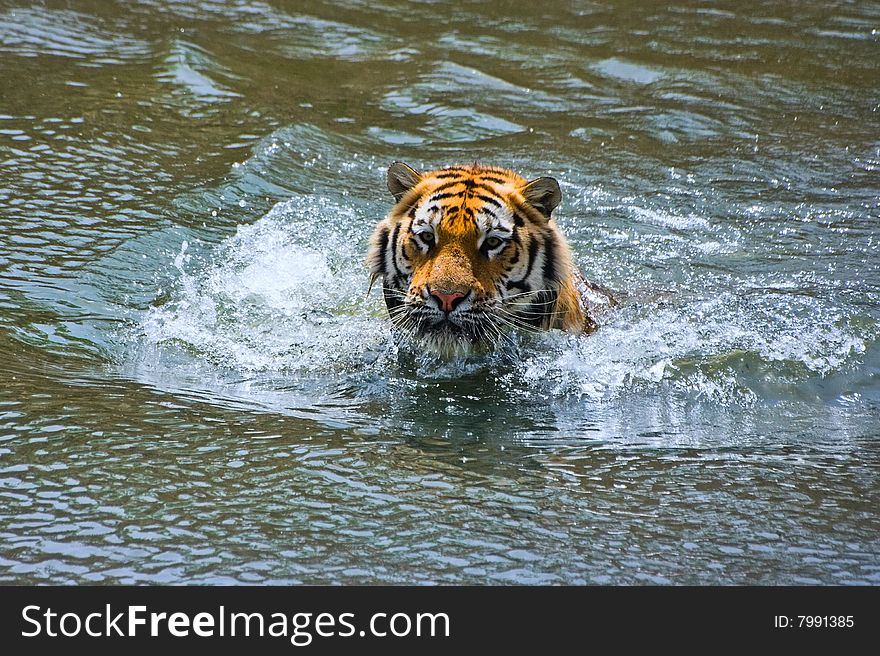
column 518, row 220
column 489, row 199
column 522, row 284
column 528, row 211
column 447, row 185
column 393, row 249
column 493, row 179
column 473, row 184
column 469, row 186
column 549, row 257
column 448, row 174
column 378, row 260
column 446, row 195
column 533, row 255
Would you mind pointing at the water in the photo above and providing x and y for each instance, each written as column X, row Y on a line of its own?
column 199, row 389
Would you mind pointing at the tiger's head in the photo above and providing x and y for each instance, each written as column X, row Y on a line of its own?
column 468, row 253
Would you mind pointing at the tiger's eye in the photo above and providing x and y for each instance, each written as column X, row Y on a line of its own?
column 427, row 238
column 493, row 242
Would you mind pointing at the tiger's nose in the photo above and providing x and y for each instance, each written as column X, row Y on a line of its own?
column 447, row 302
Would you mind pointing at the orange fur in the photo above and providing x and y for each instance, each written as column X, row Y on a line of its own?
column 484, row 234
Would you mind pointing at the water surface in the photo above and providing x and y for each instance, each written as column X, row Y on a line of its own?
column 198, row 387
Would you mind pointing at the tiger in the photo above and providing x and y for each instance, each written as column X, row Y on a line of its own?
column 469, row 254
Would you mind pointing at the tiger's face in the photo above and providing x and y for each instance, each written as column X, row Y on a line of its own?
column 468, row 253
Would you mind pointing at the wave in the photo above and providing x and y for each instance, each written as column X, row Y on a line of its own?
column 288, row 294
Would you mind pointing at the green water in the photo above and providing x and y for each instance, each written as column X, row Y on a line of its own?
column 197, row 388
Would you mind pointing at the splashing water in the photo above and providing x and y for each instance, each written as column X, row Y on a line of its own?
column 288, row 294
column 271, row 301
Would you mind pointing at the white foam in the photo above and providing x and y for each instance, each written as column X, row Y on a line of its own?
column 269, row 302
column 699, row 347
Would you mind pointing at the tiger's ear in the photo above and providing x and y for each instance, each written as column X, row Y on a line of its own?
column 543, row 194
column 401, row 178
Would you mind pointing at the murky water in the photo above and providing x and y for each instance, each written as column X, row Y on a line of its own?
column 198, row 388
